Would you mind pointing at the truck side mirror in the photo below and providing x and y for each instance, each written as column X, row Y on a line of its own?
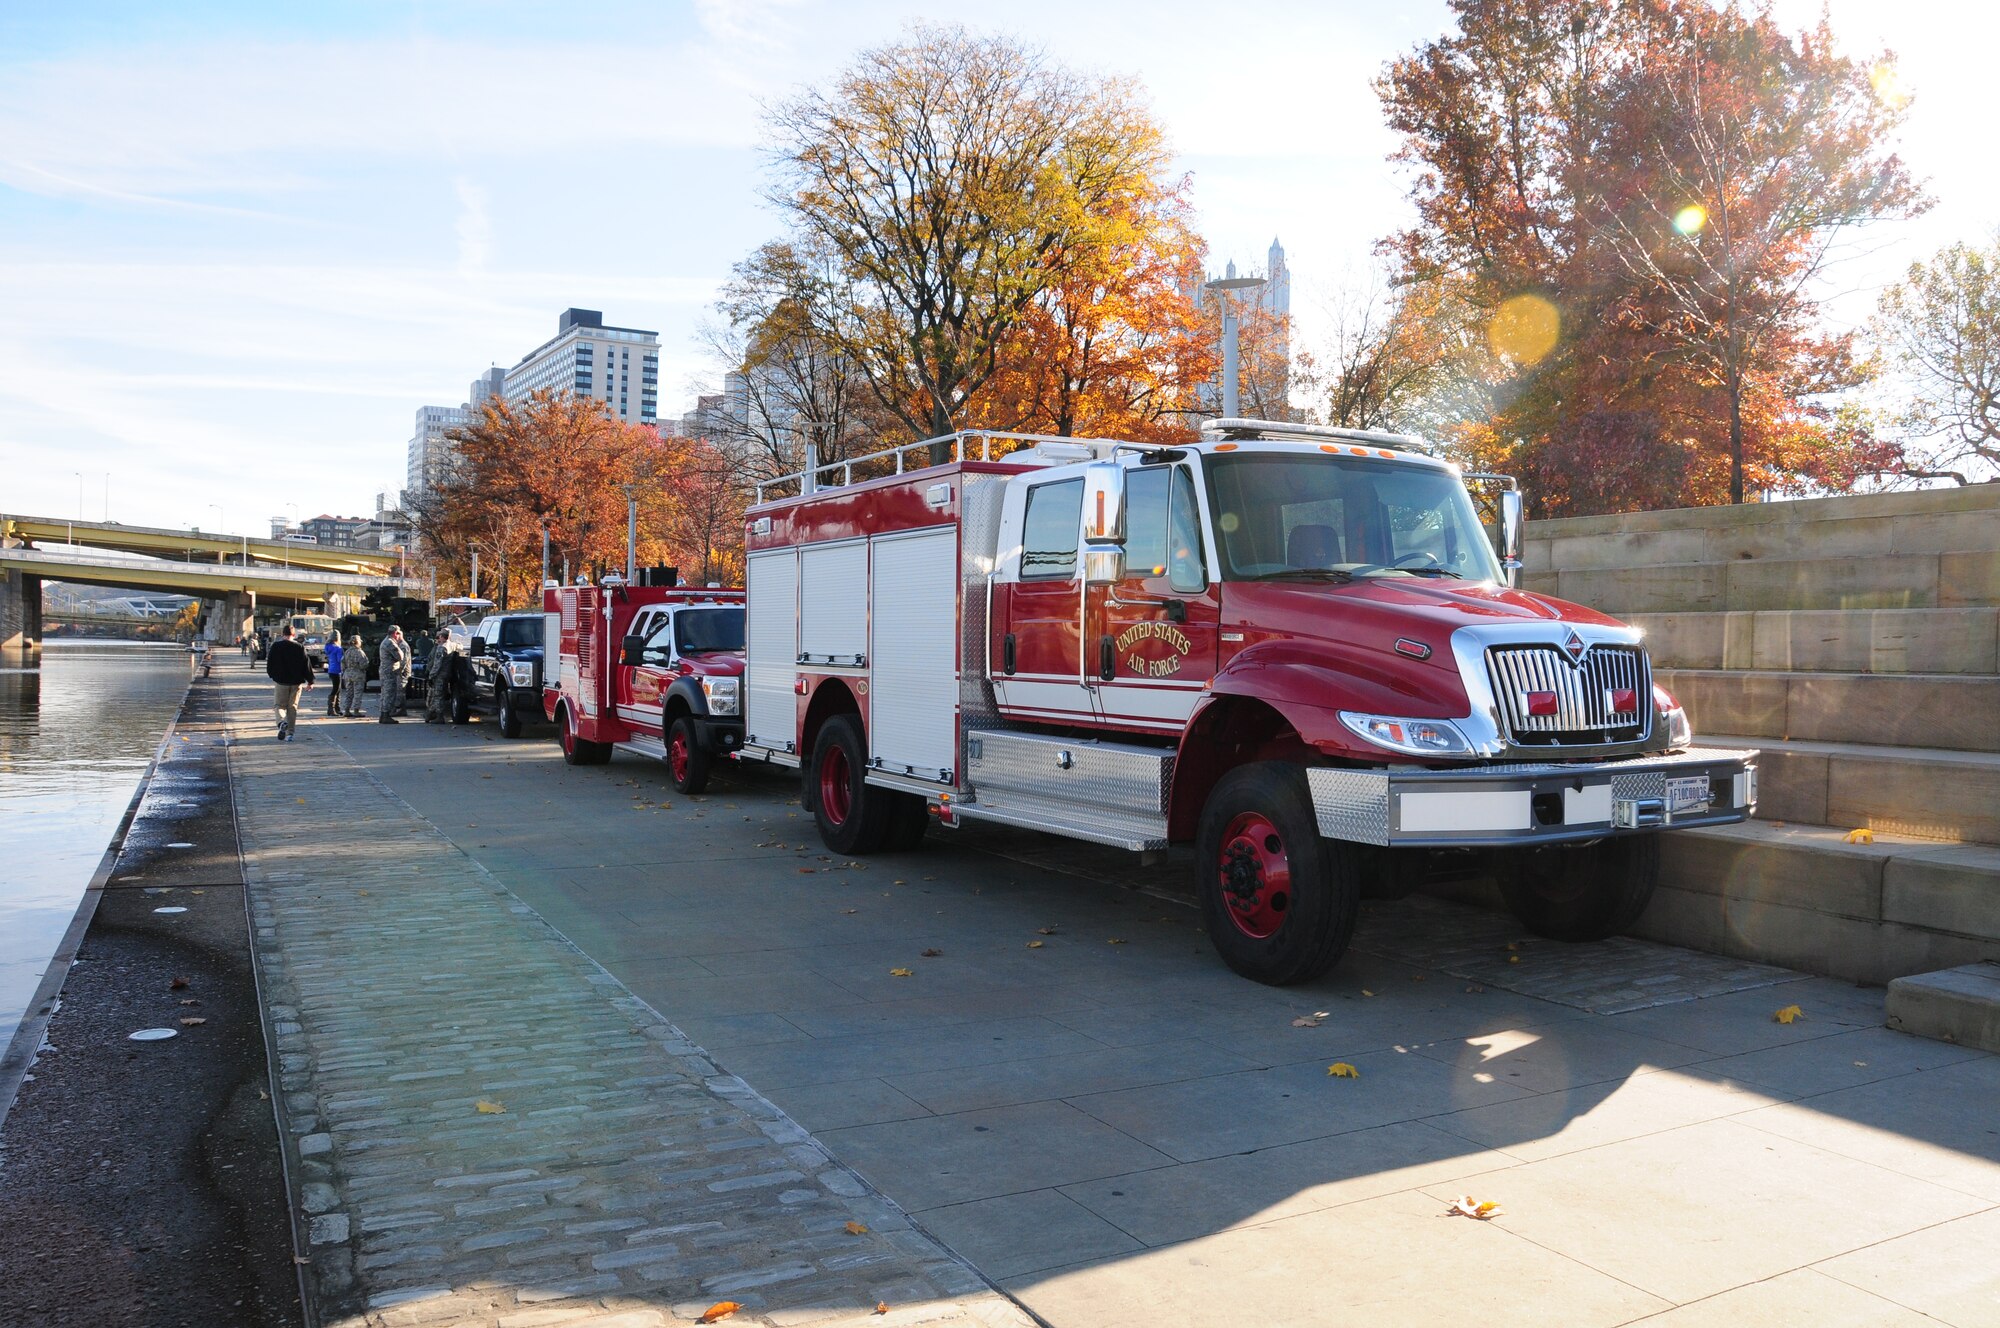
column 1104, row 503
column 1103, row 565
column 634, row 650
column 476, row 646
column 1513, row 519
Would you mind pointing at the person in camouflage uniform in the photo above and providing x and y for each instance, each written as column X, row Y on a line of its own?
column 353, row 677
column 393, row 664
column 438, row 683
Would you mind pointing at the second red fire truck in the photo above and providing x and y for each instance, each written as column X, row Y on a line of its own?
column 653, row 669
column 1294, row 648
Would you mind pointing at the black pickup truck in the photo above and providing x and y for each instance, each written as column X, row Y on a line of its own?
column 500, row 673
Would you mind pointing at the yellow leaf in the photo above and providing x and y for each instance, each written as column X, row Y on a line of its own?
column 899, row 973
column 881, row 1307
column 1861, row 836
column 485, row 1108
column 1788, row 1014
column 1366, row 992
column 720, row 1310
column 1474, row 1208
column 1115, row 940
column 856, row 1229
column 1513, row 959
column 1342, row 1070
column 1034, row 945
column 300, row 801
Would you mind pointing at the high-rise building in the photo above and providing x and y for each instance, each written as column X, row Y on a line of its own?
column 491, row 384
column 430, row 450
column 1264, row 313
column 619, row 366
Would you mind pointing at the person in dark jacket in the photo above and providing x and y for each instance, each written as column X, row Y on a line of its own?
column 292, row 672
column 333, row 674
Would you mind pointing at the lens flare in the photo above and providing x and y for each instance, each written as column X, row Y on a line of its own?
column 1691, row 219
column 1889, row 87
column 1524, row 329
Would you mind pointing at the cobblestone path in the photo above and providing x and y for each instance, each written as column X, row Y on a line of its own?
column 485, row 1127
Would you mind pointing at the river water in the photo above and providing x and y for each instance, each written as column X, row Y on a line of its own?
column 75, row 736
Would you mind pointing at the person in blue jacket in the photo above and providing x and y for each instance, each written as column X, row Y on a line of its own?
column 333, row 653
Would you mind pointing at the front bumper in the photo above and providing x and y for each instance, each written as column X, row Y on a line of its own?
column 1536, row 803
column 719, row 735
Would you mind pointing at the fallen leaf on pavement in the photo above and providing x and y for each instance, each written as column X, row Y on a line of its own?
column 1862, row 836
column 1366, row 992
column 1513, row 959
column 1788, row 1014
column 178, row 984
column 719, row 1311
column 1045, row 931
column 881, row 1307
column 1115, row 940
column 932, row 954
column 856, row 1229
column 1306, row 1021
column 1342, row 1070
column 900, row 973
column 191, row 1020
column 489, row 1108
column 1035, row 945
column 190, row 1001
column 1468, row 1206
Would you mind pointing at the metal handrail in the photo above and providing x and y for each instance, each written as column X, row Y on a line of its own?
column 809, row 482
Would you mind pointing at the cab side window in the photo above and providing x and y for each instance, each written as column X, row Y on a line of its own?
column 660, row 636
column 1146, row 521
column 1050, row 531
column 1187, row 564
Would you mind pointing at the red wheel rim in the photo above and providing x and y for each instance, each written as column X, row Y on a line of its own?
column 835, row 798
column 678, row 755
column 1256, row 875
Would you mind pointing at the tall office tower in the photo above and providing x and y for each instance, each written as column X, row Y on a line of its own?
column 430, row 451
column 619, row 366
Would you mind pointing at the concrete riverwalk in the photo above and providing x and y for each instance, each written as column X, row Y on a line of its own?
column 557, row 1045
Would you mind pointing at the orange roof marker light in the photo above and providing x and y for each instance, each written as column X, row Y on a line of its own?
column 1225, row 447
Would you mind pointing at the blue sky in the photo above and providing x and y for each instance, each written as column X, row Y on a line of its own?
column 240, row 244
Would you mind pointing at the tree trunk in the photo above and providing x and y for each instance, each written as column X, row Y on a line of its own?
column 1735, row 434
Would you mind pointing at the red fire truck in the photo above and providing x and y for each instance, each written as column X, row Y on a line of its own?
column 1294, row 648
column 655, row 670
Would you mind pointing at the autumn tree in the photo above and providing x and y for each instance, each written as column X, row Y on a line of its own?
column 1555, row 142
column 1941, row 327
column 1398, row 355
column 945, row 172
column 802, row 399
column 1117, row 344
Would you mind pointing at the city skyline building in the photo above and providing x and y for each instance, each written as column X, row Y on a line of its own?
column 618, row 366
column 1266, row 371
column 430, row 449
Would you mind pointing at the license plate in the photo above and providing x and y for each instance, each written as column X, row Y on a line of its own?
column 1687, row 793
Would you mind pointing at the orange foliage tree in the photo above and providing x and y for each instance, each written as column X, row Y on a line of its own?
column 1636, row 197
column 559, row 463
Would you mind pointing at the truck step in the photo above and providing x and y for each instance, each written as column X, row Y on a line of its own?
column 1954, row 711
column 1888, row 641
column 644, row 744
column 1924, row 792
column 1960, row 1005
column 1129, row 830
column 1122, row 781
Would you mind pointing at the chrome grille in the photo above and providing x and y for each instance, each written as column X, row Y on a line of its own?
column 1583, row 691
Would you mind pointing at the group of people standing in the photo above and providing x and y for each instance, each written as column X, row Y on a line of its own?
column 291, row 672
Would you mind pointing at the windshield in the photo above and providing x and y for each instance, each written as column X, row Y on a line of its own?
column 1307, row 517
column 520, row 632
column 697, row 630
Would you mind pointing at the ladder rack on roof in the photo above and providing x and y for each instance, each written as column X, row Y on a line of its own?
column 1241, row 430
column 1046, row 450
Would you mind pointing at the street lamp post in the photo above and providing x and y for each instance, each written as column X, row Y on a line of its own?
column 631, row 530
column 1224, row 287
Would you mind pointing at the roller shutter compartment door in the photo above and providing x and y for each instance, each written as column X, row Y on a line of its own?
column 914, row 659
column 770, row 710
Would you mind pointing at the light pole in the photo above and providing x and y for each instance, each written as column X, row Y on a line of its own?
column 1224, row 287
column 631, row 529
column 221, row 519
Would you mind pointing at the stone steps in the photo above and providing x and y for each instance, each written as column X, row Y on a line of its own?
column 1969, row 579
column 1888, row 641
column 1959, row 712
column 1960, row 1005
column 1801, row 896
column 1921, row 792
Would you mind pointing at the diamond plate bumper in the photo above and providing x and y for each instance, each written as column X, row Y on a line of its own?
column 1534, row 803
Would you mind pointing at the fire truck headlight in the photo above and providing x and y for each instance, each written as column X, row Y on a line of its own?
column 1413, row 737
column 521, row 673
column 722, row 694
column 1680, row 730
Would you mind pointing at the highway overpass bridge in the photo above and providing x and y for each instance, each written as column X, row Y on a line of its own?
column 234, row 571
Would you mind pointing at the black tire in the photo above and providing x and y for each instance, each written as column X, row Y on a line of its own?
column 461, row 708
column 510, row 721
column 1280, row 902
column 907, row 824
column 575, row 750
column 1585, row 893
column 840, row 764
column 687, row 768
